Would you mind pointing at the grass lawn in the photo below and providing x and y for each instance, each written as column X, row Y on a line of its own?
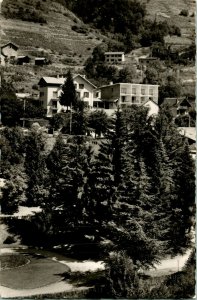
column 12, row 261
column 39, row 272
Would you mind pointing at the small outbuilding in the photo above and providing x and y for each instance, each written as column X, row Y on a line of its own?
column 23, row 59
column 40, row 61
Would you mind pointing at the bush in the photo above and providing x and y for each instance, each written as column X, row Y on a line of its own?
column 184, row 12
column 79, row 29
column 25, row 15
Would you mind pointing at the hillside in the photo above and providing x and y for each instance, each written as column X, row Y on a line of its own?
column 61, row 36
column 171, row 10
column 55, row 37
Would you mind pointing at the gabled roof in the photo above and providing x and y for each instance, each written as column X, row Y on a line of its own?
column 149, row 100
column 174, row 102
column 84, row 78
column 53, row 80
column 10, row 43
column 60, row 81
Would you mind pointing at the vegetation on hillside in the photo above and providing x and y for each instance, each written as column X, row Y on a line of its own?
column 130, row 203
column 125, row 22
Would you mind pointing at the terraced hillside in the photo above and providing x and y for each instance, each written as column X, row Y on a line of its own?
column 55, row 37
column 171, row 13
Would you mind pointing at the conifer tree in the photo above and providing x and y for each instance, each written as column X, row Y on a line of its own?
column 67, row 165
column 68, row 96
column 35, row 168
column 98, row 191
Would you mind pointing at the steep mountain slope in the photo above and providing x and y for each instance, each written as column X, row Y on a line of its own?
column 56, row 36
column 170, row 11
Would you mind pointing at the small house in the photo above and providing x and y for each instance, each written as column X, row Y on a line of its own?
column 153, row 107
column 177, row 106
column 23, row 59
column 40, row 61
column 10, row 50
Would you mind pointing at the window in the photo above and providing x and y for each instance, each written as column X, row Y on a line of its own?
column 151, row 91
column 123, row 98
column 133, row 99
column 123, row 90
column 95, row 104
column 81, row 86
column 86, row 94
column 134, row 91
column 55, row 94
column 143, row 91
column 54, row 104
column 41, row 94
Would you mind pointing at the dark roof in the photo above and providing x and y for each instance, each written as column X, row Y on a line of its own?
column 10, row 43
column 60, row 81
column 174, row 102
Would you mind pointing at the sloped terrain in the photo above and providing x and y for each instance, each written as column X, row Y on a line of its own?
column 55, row 37
column 171, row 13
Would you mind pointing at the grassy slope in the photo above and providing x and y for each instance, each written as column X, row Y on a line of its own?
column 56, row 36
column 59, row 42
column 55, row 40
column 172, row 9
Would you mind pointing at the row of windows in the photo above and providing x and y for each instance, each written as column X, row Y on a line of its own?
column 113, row 55
column 119, row 59
column 134, row 99
column 55, row 94
column 134, row 91
column 81, row 86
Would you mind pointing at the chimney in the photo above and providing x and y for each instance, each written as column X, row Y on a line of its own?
column 111, row 83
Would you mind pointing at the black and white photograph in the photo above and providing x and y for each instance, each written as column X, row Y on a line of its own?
column 97, row 149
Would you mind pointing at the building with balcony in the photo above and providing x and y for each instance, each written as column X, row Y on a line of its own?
column 114, row 57
column 126, row 94
column 50, row 90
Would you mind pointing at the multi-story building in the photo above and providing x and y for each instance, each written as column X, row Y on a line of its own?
column 125, row 94
column 114, row 57
column 50, row 90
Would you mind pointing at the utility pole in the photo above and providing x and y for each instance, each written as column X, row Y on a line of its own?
column 71, row 118
column 24, row 104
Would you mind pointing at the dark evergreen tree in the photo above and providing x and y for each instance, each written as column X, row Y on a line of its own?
column 98, row 120
column 35, row 168
column 68, row 95
column 98, row 192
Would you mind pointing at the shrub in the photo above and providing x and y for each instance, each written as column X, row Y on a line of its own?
column 184, row 12
column 79, row 29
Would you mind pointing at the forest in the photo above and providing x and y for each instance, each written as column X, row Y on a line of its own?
column 130, row 201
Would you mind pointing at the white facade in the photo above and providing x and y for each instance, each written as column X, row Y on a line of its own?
column 125, row 94
column 50, row 90
column 153, row 108
column 114, row 57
